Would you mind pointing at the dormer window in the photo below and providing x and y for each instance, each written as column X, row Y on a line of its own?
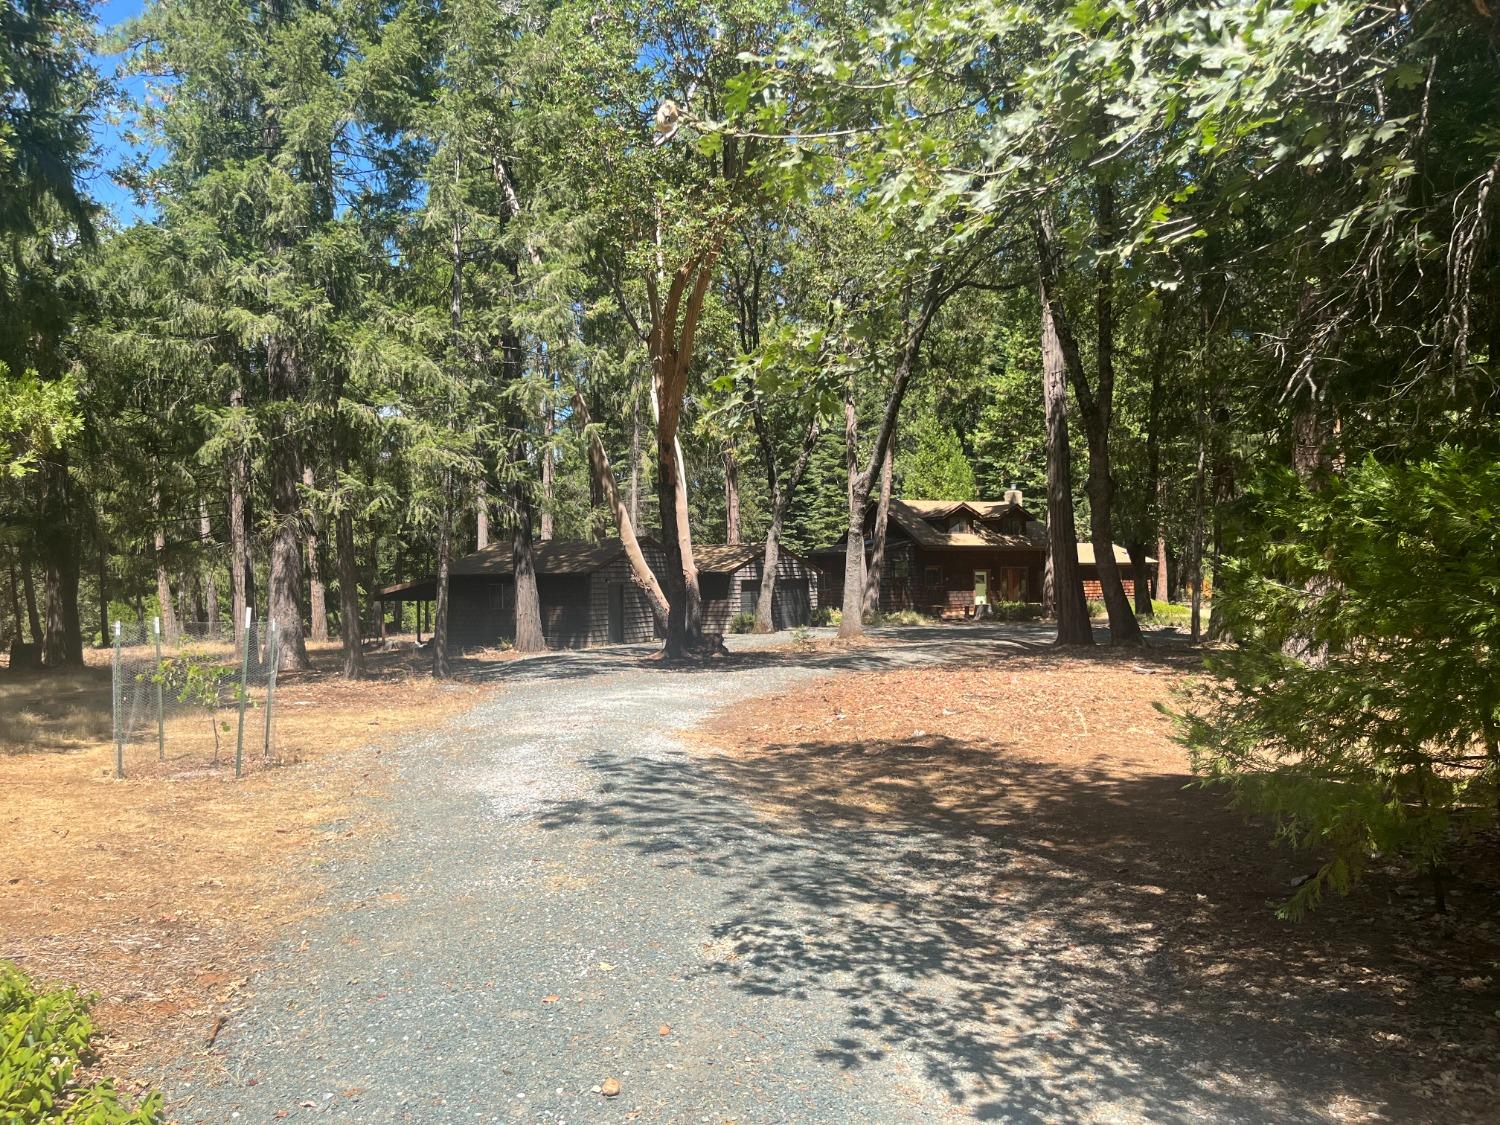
column 959, row 524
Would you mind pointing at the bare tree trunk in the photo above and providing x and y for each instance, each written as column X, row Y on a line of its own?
column 641, row 572
column 28, row 586
column 854, row 543
column 1137, row 553
column 15, row 601
column 103, row 579
column 1096, row 406
column 441, row 668
column 635, row 457
column 783, row 491
column 548, row 470
column 876, row 570
column 348, row 567
column 481, row 514
column 210, row 579
column 62, row 636
column 1073, row 626
column 529, row 636
column 240, row 576
column 1163, row 586
column 285, row 593
column 731, row 496
column 317, row 593
column 163, row 579
column 851, row 623
column 1196, row 564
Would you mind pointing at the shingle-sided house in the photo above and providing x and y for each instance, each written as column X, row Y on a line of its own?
column 589, row 597
column 944, row 557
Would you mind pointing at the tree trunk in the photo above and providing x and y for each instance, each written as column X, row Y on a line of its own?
column 640, row 570
column 548, row 472
column 102, row 577
column 851, row 623
column 62, row 635
column 876, row 570
column 783, row 490
column 15, row 602
column 240, row 577
column 529, row 636
column 210, row 579
column 441, row 668
column 1137, row 553
column 481, row 514
column 1163, row 585
column 731, row 497
column 28, row 587
column 1195, row 564
column 1095, row 405
column 1072, row 609
column 163, row 579
column 317, row 593
column 635, row 457
column 285, row 459
column 348, row 568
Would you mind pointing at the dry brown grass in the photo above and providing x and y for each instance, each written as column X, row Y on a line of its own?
column 159, row 891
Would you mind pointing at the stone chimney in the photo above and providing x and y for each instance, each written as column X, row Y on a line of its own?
column 1013, row 496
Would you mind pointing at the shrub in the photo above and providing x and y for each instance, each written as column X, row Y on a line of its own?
column 901, row 617
column 1167, row 613
column 827, row 615
column 1360, row 705
column 1016, row 611
column 44, row 1037
column 742, row 623
column 1097, row 609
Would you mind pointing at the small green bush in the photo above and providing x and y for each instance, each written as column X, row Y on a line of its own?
column 44, row 1036
column 902, row 617
column 742, row 623
column 1166, row 613
column 1016, row 611
column 1097, row 609
column 826, row 615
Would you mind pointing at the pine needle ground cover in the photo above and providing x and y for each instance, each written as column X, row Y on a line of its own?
column 1134, row 879
column 158, row 892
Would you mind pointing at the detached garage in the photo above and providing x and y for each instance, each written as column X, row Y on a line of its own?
column 589, row 597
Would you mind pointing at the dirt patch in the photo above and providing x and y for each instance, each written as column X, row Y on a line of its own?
column 1059, row 773
column 159, row 891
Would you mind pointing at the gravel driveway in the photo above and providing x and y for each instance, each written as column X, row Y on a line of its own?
column 564, row 896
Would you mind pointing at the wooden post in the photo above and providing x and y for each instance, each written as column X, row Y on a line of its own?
column 115, row 696
column 271, row 663
column 161, row 722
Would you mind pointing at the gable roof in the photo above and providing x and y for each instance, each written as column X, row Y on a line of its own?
column 725, row 558
column 911, row 517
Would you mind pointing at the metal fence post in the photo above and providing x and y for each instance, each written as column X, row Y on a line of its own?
column 161, row 722
column 239, row 741
column 273, row 658
column 114, row 692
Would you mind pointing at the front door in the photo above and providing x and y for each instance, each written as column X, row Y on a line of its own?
column 981, row 587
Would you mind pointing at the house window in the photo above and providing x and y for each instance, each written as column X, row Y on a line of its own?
column 934, row 576
column 1013, row 525
column 901, row 566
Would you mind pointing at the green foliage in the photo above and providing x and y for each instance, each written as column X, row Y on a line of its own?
column 44, row 1037
column 36, row 418
column 903, row 617
column 826, row 615
column 932, row 464
column 742, row 623
column 1360, row 705
column 1016, row 611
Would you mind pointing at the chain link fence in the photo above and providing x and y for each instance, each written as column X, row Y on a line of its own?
column 193, row 697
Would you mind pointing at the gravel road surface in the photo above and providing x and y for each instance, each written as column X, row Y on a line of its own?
column 562, row 896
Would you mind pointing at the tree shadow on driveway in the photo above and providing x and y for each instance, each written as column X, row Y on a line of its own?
column 1039, row 943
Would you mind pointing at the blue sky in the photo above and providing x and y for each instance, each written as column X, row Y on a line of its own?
column 111, row 147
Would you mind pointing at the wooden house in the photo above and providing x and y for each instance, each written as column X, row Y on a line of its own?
column 589, row 597
column 946, row 557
